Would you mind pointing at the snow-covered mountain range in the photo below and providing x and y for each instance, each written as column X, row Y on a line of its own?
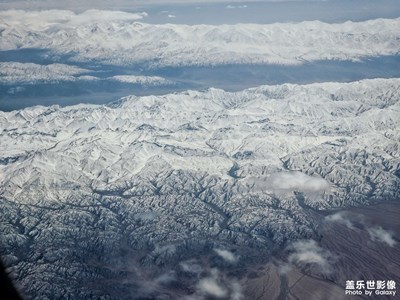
column 30, row 73
column 164, row 177
column 117, row 38
column 13, row 73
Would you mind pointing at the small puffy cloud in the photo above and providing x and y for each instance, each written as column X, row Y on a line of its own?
column 288, row 182
column 142, row 80
column 166, row 278
column 94, row 15
column 381, row 235
column 191, row 266
column 284, row 268
column 376, row 233
column 171, row 16
column 16, row 90
column 308, row 252
column 236, row 6
column 341, row 218
column 297, row 181
column 236, row 291
column 217, row 285
column 226, row 255
column 88, row 78
column 211, row 287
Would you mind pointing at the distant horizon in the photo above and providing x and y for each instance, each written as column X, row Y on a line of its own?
column 227, row 12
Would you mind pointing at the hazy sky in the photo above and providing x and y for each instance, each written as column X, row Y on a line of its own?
column 4, row 4
column 228, row 11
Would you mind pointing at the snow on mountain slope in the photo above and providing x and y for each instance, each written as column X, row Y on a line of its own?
column 215, row 129
column 29, row 73
column 12, row 73
column 92, row 194
column 116, row 38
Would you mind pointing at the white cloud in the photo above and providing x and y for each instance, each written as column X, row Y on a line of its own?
column 308, row 252
column 211, row 287
column 236, row 6
column 236, row 291
column 166, row 278
column 381, row 235
column 143, row 80
column 226, row 255
column 216, row 284
column 15, row 90
column 291, row 181
column 171, row 16
column 298, row 181
column 88, row 78
column 376, row 233
column 191, row 266
column 94, row 15
column 340, row 218
column 284, row 268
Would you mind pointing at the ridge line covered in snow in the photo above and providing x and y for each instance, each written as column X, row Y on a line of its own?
column 165, row 175
column 117, row 38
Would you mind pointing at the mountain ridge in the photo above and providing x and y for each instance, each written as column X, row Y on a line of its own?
column 115, row 40
column 93, row 195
